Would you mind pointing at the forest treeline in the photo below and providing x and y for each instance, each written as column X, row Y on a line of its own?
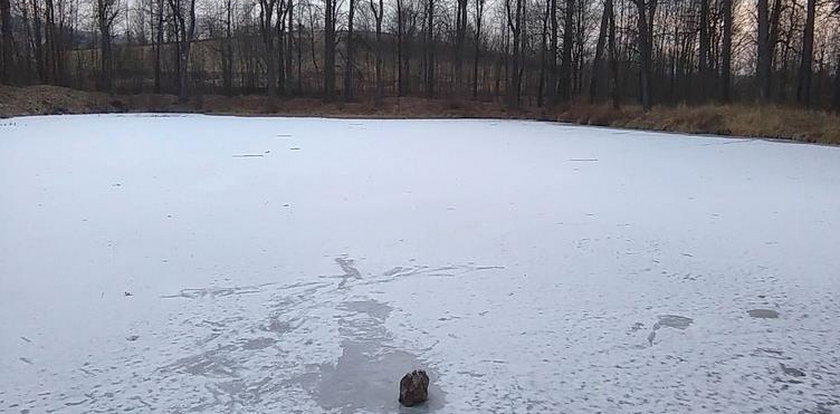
column 520, row 52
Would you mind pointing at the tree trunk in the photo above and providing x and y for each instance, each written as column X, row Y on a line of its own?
column 25, row 68
column 176, row 59
column 348, row 57
column 803, row 90
column 281, row 47
column 329, row 49
column 565, row 87
column 228, row 49
column 763, row 61
column 430, row 49
column 543, row 46
column 775, row 17
column 773, row 41
column 599, row 52
column 476, row 56
column 703, row 61
column 106, row 12
column 514, row 20
column 184, row 22
column 378, row 14
column 400, row 31
column 644, row 55
column 837, row 85
column 726, row 52
column 300, row 58
column 39, row 49
column 552, row 54
column 479, row 14
column 460, row 38
column 50, row 41
column 608, row 4
column 269, row 55
column 290, row 42
column 105, row 37
column 158, row 44
column 7, row 52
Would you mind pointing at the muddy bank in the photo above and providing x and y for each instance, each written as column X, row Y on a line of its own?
column 731, row 120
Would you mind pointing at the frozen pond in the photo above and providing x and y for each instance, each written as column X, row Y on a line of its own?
column 221, row 264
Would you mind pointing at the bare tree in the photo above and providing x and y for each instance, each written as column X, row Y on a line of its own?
column 705, row 46
column 220, row 26
column 227, row 49
column 763, row 64
column 429, row 48
column 543, row 51
column 53, row 56
column 565, row 86
column 401, row 12
column 478, row 17
column 37, row 40
column 836, row 104
column 613, row 54
column 726, row 52
column 460, row 38
column 836, row 100
column 348, row 56
column 803, row 91
column 183, row 14
column 599, row 53
column 329, row 49
column 269, row 55
column 280, row 63
column 158, row 44
column 7, row 53
column 378, row 12
column 106, row 13
column 685, row 51
column 407, row 15
column 514, row 24
column 289, row 47
column 645, row 9
column 552, row 53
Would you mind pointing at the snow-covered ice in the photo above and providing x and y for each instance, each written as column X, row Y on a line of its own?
column 222, row 264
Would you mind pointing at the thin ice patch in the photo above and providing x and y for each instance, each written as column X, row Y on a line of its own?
column 669, row 321
column 763, row 313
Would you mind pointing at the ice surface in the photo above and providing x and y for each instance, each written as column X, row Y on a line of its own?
column 220, row 264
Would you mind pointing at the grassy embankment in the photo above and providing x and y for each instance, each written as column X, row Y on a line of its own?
column 737, row 120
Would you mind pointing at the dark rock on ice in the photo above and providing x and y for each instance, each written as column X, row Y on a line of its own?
column 414, row 388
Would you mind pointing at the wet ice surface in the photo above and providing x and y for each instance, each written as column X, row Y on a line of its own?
column 215, row 264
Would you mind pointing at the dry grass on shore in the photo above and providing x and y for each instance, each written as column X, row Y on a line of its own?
column 738, row 120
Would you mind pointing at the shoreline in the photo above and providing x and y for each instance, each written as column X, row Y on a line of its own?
column 735, row 121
